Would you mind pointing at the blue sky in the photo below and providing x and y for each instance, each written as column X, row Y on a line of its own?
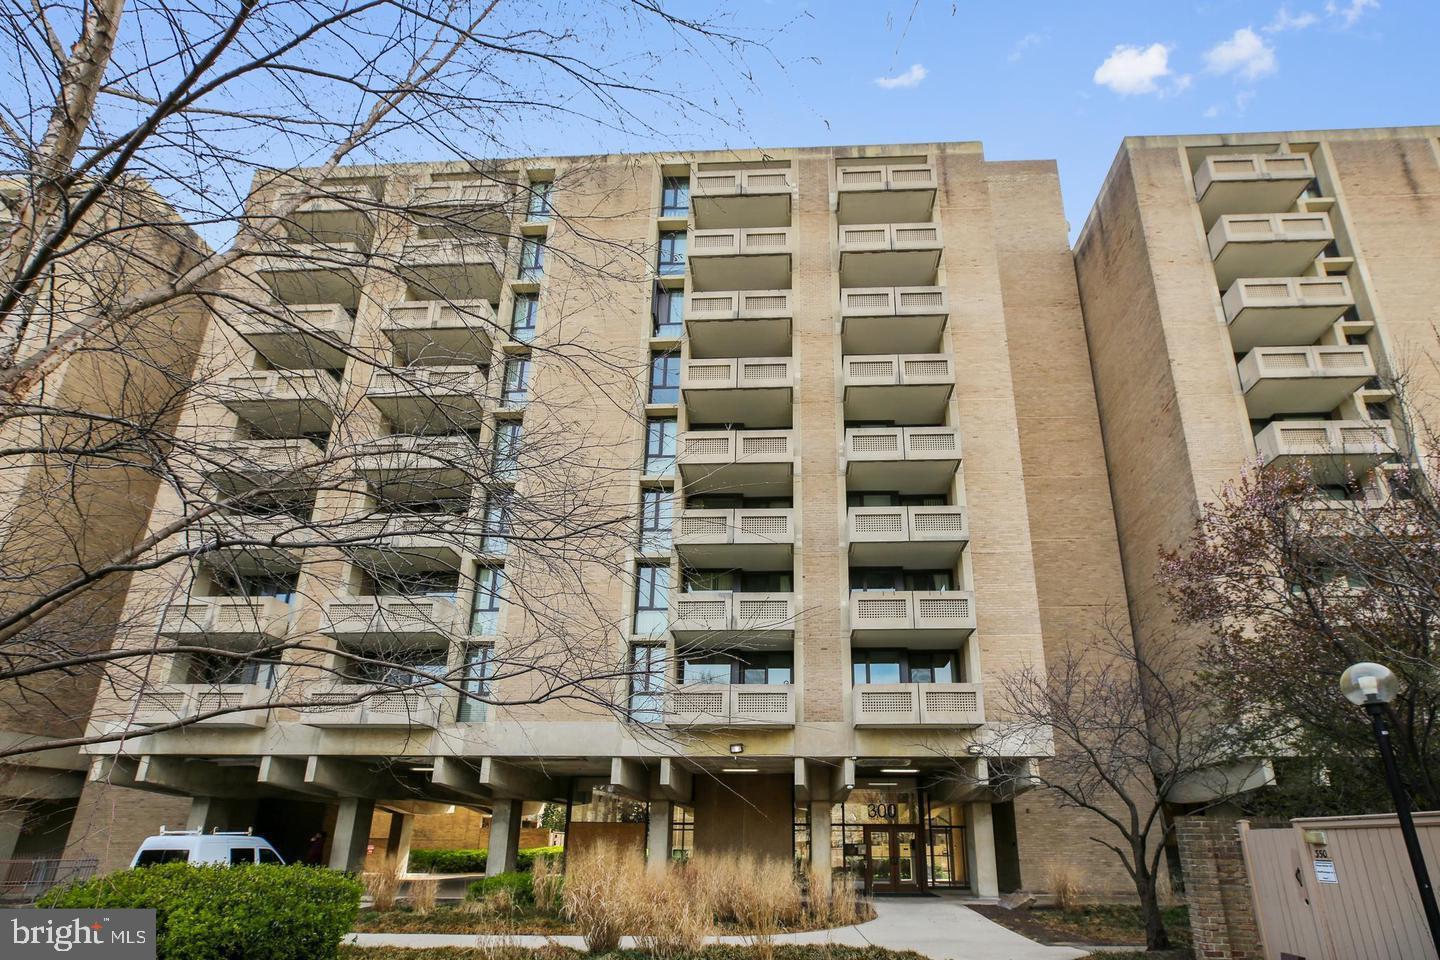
column 1067, row 80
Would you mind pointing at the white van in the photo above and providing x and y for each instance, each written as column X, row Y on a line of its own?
column 193, row 846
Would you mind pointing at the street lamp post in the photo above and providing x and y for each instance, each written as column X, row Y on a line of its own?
column 1372, row 686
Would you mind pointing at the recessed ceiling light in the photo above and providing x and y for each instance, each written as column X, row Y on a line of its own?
column 899, row 770
column 739, row 770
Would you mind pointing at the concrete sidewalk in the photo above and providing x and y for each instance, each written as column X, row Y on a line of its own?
column 941, row 928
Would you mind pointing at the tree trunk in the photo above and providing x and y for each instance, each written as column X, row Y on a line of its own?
column 1156, row 937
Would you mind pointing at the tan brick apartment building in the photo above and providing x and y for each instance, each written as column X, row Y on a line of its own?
column 865, row 465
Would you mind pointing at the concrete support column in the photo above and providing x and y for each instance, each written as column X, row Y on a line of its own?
column 980, row 828
column 352, row 834
column 208, row 814
column 504, row 837
column 657, row 834
column 820, row 864
column 397, row 844
column 12, row 821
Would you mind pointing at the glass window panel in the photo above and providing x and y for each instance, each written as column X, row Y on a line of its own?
column 478, row 671
column 669, row 312
column 672, row 253
column 485, row 613
column 660, row 447
column 647, row 681
column 675, row 197
column 524, row 317
column 539, row 207
column 516, row 388
column 652, row 598
column 664, row 378
column 656, row 509
column 532, row 258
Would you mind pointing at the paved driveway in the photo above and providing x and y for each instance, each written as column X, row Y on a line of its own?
column 941, row 928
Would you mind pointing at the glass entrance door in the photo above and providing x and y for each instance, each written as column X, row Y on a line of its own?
column 893, row 861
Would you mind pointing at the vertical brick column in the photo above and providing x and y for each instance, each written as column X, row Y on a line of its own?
column 1217, row 889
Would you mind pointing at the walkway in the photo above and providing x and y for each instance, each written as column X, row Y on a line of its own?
column 941, row 928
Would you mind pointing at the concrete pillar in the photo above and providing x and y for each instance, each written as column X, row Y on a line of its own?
column 397, row 844
column 352, row 834
column 980, row 828
column 657, row 834
column 504, row 837
column 820, row 863
column 12, row 821
column 208, row 814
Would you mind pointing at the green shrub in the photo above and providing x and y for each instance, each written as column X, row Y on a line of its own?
column 262, row 912
column 471, row 861
column 517, row 884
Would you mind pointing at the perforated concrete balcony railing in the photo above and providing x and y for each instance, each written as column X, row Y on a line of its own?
column 753, row 392
column 1332, row 449
column 275, row 541
column 902, row 319
column 478, row 204
column 721, row 615
column 907, row 536
column 331, row 706
column 1251, row 183
column 311, row 273
column 903, row 388
column 282, row 402
column 918, row 705
column 430, row 398
column 1302, row 379
column 893, row 193
column 889, row 254
column 406, row 618
column 237, row 465
column 734, row 183
column 1284, row 311
column 756, row 258
column 721, row 199
column 752, row 462
column 730, row 705
column 738, row 323
column 425, row 541
column 236, row 617
column 902, row 614
column 340, row 212
column 448, row 268
column 737, row 539
column 299, row 336
column 1267, row 245
column 440, row 333
column 164, row 703
column 910, row 460
column 437, row 461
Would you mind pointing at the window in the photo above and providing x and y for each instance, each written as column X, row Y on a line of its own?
column 877, row 666
column 672, row 253
column 932, row 666
column 485, row 612
column 413, row 583
column 757, row 667
column 532, row 258
column 747, row 581
column 647, row 680
column 656, row 509
column 281, row 586
column 889, row 578
column 682, row 832
column 506, row 449
column 1377, row 411
column 268, row 856
column 241, row 855
column 218, row 669
column 496, row 525
column 476, row 684
column 664, row 378
column 516, row 387
column 652, row 598
column 904, row 666
column 405, row 668
column 660, row 447
column 539, row 208
column 675, row 197
column 524, row 317
column 148, row 858
column 668, row 308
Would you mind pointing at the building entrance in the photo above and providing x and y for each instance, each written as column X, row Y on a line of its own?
column 894, row 861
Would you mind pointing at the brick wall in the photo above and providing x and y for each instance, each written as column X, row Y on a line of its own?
column 1217, row 889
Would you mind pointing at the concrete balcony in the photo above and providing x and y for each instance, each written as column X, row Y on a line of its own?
column 1283, row 311
column 1333, row 449
column 753, row 462
column 430, row 462
column 914, row 537
column 473, row 204
column 736, row 539
column 282, row 403
column 918, row 705
column 904, row 319
column 299, row 337
column 1302, row 379
column 319, row 273
column 728, row 199
column 1254, row 183
column 429, row 399
column 377, row 708
column 889, row 255
column 433, row 541
column 757, row 258
column 255, row 542
column 163, row 703
column 343, row 213
column 911, row 618
column 238, row 619
column 429, row 619
column 437, row 333
column 1273, row 245
column 894, row 193
column 699, row 705
column 754, row 392
column 910, row 460
column 903, row 388
column 738, row 323
column 720, row 616
column 235, row 466
column 453, row 269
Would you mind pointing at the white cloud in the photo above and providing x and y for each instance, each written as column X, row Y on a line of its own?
column 910, row 78
column 1025, row 43
column 1285, row 20
column 1242, row 100
column 1212, row 111
column 1131, row 70
column 1245, row 54
column 1351, row 12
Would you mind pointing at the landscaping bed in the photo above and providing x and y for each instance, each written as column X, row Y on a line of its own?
column 452, row 919
column 552, row 952
column 1101, row 924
